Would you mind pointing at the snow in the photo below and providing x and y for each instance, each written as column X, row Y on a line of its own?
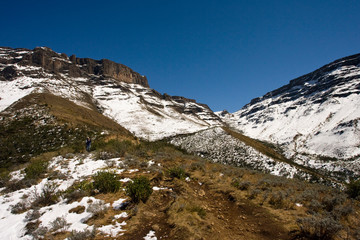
column 150, row 236
column 77, row 168
column 145, row 115
column 12, row 91
column 306, row 128
column 125, row 180
column 159, row 188
column 121, row 215
column 118, row 203
column 61, row 209
column 218, row 146
column 132, row 106
column 113, row 230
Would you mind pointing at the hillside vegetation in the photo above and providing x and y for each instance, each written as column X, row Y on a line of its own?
column 127, row 189
column 41, row 123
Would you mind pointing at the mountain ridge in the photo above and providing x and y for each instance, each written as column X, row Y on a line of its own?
column 314, row 119
column 352, row 59
column 75, row 67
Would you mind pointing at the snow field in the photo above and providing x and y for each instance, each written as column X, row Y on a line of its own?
column 12, row 226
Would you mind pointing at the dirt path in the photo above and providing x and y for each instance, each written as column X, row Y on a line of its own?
column 226, row 217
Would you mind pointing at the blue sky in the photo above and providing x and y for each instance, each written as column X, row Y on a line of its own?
column 222, row 53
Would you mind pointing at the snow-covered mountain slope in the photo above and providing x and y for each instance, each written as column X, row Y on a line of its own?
column 316, row 115
column 113, row 89
column 219, row 146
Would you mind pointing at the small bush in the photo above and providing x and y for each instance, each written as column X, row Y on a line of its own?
column 353, row 189
column 4, row 177
column 78, row 190
column 199, row 165
column 314, row 206
column 82, row 235
column 19, row 207
column 32, row 215
column 31, row 227
column 178, row 172
column 342, row 211
column 98, row 209
column 308, row 195
column 12, row 186
column 317, row 227
column 277, row 199
column 139, row 189
column 254, row 193
column 330, row 202
column 106, row 182
column 103, row 155
column 242, row 185
column 36, row 169
column 59, row 224
column 40, row 232
column 199, row 210
column 46, row 197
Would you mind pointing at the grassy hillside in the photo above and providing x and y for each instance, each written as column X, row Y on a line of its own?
column 188, row 198
column 41, row 123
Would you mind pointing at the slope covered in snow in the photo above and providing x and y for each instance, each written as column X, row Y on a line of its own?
column 19, row 209
column 120, row 94
column 315, row 116
column 219, row 146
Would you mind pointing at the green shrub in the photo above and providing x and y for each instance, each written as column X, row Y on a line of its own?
column 353, row 189
column 199, row 210
column 139, row 189
column 36, row 169
column 178, row 172
column 242, row 185
column 106, row 182
column 47, row 196
column 4, row 177
column 78, row 190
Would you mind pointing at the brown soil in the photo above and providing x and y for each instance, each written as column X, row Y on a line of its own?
column 226, row 217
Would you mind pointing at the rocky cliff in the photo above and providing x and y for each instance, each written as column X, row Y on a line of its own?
column 53, row 62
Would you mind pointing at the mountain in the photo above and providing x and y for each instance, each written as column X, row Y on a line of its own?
column 113, row 89
column 314, row 119
column 196, row 181
column 325, row 100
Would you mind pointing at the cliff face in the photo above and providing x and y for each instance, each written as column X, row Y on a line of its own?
column 72, row 66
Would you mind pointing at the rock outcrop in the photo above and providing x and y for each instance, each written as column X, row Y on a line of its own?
column 54, row 62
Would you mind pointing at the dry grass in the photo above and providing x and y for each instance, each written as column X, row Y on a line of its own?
column 69, row 112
